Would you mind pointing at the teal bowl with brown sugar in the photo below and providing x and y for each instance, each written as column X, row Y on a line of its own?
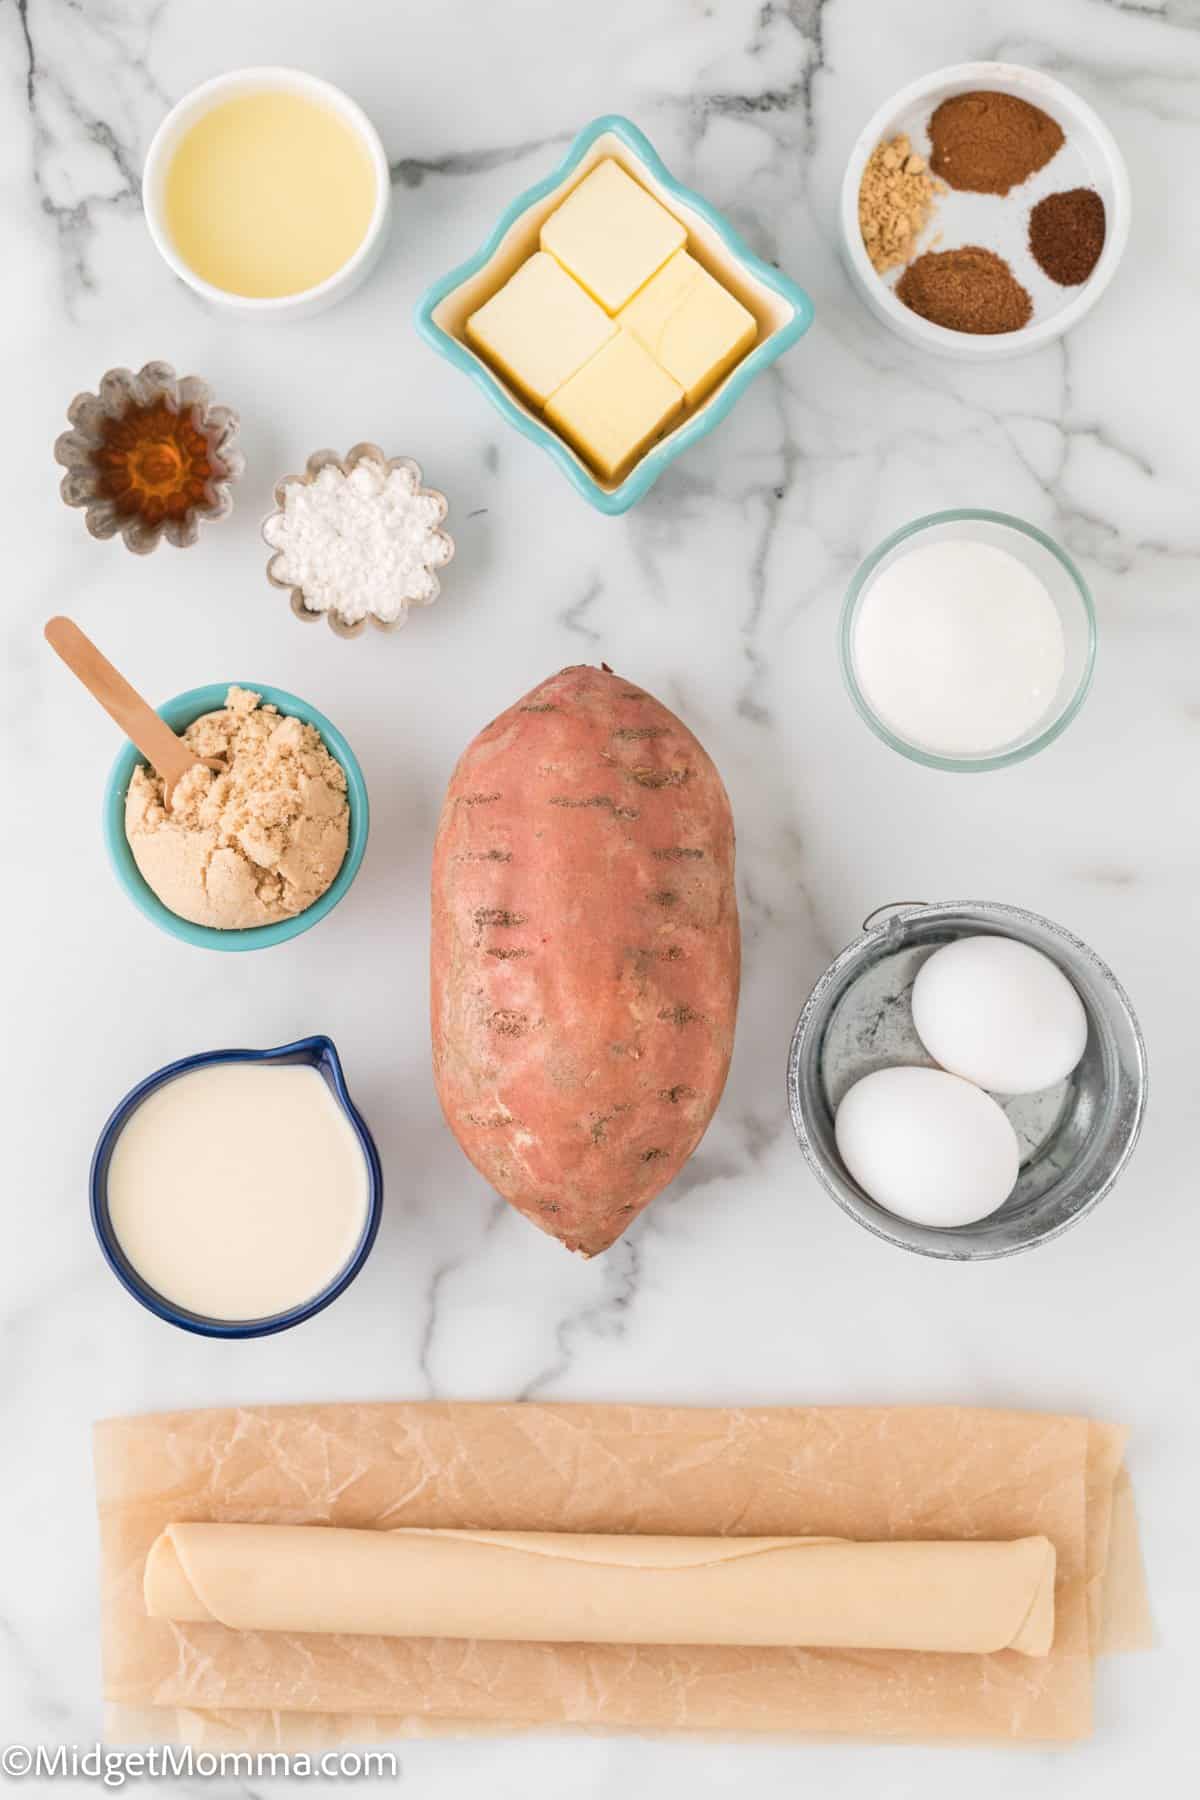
column 179, row 713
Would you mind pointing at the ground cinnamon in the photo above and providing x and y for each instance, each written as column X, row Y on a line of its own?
column 971, row 289
column 987, row 142
column 1066, row 235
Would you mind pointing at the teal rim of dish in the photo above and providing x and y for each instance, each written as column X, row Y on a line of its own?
column 179, row 714
column 649, row 467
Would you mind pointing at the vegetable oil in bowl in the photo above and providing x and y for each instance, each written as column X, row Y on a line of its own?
column 269, row 194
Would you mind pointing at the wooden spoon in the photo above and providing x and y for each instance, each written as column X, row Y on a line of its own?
column 168, row 755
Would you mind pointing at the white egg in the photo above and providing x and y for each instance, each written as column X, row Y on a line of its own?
column 928, row 1146
column 999, row 1013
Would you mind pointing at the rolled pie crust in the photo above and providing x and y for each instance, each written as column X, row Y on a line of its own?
column 968, row 1596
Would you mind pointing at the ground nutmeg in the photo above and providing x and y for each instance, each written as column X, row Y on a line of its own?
column 1066, row 235
column 971, row 289
column 986, row 142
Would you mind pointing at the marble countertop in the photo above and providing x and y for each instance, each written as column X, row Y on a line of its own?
column 720, row 594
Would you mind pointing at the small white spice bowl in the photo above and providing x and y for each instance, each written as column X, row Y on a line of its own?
column 440, row 542
column 231, row 86
column 1000, row 222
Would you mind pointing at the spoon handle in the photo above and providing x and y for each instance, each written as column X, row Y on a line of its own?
column 165, row 752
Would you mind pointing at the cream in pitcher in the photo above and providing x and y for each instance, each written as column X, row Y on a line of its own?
column 239, row 1190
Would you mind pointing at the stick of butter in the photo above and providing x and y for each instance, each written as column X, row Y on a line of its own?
column 690, row 324
column 539, row 328
column 616, row 405
column 611, row 235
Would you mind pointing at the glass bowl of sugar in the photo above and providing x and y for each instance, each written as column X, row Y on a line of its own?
column 968, row 640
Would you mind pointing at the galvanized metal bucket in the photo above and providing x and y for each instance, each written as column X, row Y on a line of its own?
column 1076, row 1139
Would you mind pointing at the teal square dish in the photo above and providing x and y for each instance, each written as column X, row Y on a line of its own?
column 179, row 714
column 783, row 310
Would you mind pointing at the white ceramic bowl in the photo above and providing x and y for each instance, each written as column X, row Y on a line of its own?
column 253, row 81
column 1089, row 158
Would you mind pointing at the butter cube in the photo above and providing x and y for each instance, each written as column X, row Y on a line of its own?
column 690, row 324
column 616, row 405
column 611, row 235
column 539, row 328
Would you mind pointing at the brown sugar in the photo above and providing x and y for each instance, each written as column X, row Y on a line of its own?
column 971, row 289
column 894, row 202
column 253, row 844
column 986, row 142
column 1066, row 235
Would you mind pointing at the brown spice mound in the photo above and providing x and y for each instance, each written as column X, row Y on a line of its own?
column 971, row 289
column 987, row 143
column 894, row 201
column 1066, row 235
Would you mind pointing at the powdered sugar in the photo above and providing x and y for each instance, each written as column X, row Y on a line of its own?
column 363, row 543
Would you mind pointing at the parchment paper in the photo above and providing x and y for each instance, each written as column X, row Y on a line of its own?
column 868, row 1473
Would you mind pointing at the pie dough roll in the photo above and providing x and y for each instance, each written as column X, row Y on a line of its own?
column 542, row 1587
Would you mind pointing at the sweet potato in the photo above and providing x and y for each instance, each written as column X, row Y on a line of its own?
column 585, row 953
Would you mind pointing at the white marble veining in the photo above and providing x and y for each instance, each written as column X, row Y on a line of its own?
column 720, row 594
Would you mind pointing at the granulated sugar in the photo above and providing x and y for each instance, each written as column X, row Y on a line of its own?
column 358, row 544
